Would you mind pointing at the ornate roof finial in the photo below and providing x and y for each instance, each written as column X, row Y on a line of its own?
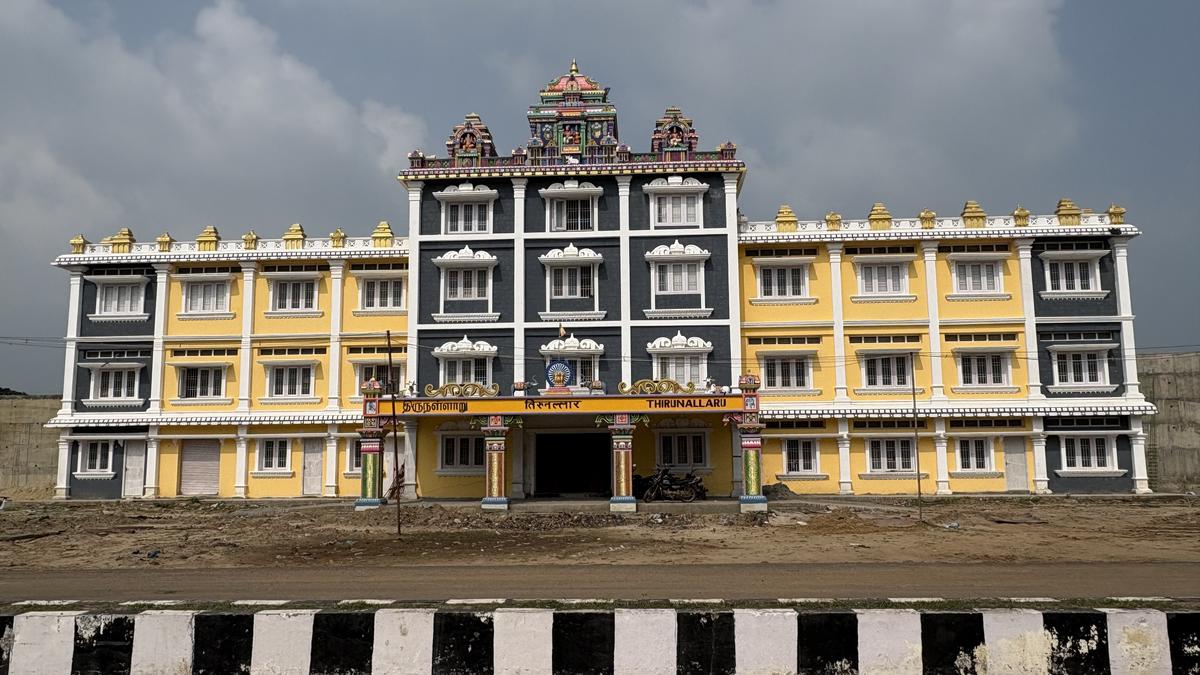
column 1116, row 214
column 973, row 214
column 928, row 218
column 785, row 219
column 294, row 237
column 879, row 217
column 574, row 67
column 337, row 238
column 1020, row 216
column 382, row 236
column 121, row 242
column 164, row 242
column 250, row 240
column 207, row 239
column 833, row 221
column 1068, row 213
column 78, row 243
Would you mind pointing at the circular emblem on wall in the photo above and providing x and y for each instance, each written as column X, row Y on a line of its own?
column 559, row 373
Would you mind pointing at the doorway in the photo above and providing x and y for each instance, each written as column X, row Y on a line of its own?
column 1016, row 478
column 573, row 465
column 311, row 479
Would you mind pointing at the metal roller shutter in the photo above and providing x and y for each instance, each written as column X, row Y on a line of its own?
column 199, row 467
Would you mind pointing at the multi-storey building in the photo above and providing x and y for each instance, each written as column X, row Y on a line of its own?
column 575, row 311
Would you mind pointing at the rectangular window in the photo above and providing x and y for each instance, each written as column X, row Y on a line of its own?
column 571, row 282
column 890, row 454
column 354, row 461
column 782, row 282
column 273, row 454
column 678, row 278
column 116, row 383
column 571, row 215
column 205, row 297
column 982, row 370
column 291, row 381
column 95, row 457
column 467, row 284
column 978, row 277
column 681, row 450
column 467, row 218
column 885, row 371
column 379, row 373
column 1072, row 275
column 461, row 371
column 201, row 382
column 294, row 296
column 789, row 372
column 974, row 454
column 683, row 369
column 462, row 452
column 677, row 209
column 1083, row 452
column 1082, row 368
column 800, row 456
column 883, row 279
column 119, row 299
column 383, row 294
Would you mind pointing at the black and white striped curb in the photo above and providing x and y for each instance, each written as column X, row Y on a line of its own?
column 641, row 641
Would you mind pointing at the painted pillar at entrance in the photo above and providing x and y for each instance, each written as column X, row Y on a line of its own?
column 750, row 430
column 620, row 426
column 371, row 434
column 495, row 441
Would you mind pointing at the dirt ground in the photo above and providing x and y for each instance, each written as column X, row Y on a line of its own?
column 184, row 534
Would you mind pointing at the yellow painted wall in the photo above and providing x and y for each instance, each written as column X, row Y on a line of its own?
column 204, row 325
column 978, row 309
column 270, row 325
column 855, row 373
column 915, row 309
column 277, row 486
column 859, row 464
column 819, row 287
column 827, row 463
column 170, row 387
column 1015, row 349
column 824, row 375
column 987, row 484
column 258, row 376
column 169, row 457
column 355, row 320
column 168, row 468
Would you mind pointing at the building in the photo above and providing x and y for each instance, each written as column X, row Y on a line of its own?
column 575, row 311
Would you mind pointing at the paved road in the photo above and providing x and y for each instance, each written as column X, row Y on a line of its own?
column 629, row 582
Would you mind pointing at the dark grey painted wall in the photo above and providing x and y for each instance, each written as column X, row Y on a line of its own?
column 83, row 376
column 1087, row 484
column 608, row 205
column 87, row 305
column 716, row 279
column 609, row 371
column 1116, row 364
column 719, row 367
column 1106, row 306
column 607, row 286
column 502, row 211
column 714, row 201
column 92, row 488
column 502, row 364
column 502, row 280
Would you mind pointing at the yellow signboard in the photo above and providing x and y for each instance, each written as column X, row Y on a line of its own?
column 545, row 405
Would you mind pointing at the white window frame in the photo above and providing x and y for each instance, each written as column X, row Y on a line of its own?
column 354, row 449
column 473, row 441
column 666, row 259
column 1071, row 384
column 586, row 260
column 875, row 266
column 899, row 379
column 676, row 433
column 804, row 368
column 105, row 453
column 575, row 352
column 963, row 278
column 991, row 368
column 260, row 455
column 587, row 205
column 456, row 288
column 900, row 443
column 584, row 275
column 181, row 376
column 1088, row 258
column 275, row 296
column 369, row 289
column 481, row 225
column 785, row 450
column 460, row 351
column 462, row 194
column 276, row 368
column 679, row 278
column 665, row 354
column 95, row 397
column 663, row 191
column 1078, row 442
column 458, row 364
column 136, row 308
column 975, row 445
column 220, row 297
column 457, row 262
column 768, row 276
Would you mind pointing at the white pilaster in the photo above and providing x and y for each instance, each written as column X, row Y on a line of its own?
column 414, row 275
column 845, row 480
column 241, row 462
column 410, row 460
column 150, row 490
column 626, row 353
column 1120, row 249
column 936, row 387
column 943, row 463
column 337, row 270
column 62, row 485
column 519, row 354
column 1041, row 480
column 331, row 463
column 839, row 330
column 1137, row 443
column 244, row 351
column 1032, row 369
column 734, row 278
column 160, row 328
column 74, row 300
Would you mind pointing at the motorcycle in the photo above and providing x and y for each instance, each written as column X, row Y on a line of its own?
column 663, row 485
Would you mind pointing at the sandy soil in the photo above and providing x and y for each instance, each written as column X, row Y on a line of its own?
column 184, row 534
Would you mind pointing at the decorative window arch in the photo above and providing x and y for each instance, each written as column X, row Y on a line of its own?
column 676, row 201
column 582, row 355
column 679, row 358
column 466, row 208
column 465, row 361
column 466, row 274
column 677, row 269
column 572, row 206
column 572, row 272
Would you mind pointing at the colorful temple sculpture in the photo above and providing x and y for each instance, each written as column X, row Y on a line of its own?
column 574, row 313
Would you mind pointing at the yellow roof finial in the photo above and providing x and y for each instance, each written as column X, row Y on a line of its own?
column 574, row 67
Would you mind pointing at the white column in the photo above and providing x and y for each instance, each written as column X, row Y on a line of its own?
column 845, row 480
column 736, row 367
column 241, row 463
column 331, row 463
column 519, row 354
column 150, row 490
column 62, row 486
column 943, row 464
column 1032, row 369
column 937, row 390
column 1041, row 481
column 1120, row 249
column 626, row 352
column 336, row 284
column 244, row 352
column 414, row 274
column 74, row 300
column 410, row 460
column 1137, row 444
column 160, row 329
column 839, row 334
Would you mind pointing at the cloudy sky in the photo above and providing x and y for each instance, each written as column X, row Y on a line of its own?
column 168, row 116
